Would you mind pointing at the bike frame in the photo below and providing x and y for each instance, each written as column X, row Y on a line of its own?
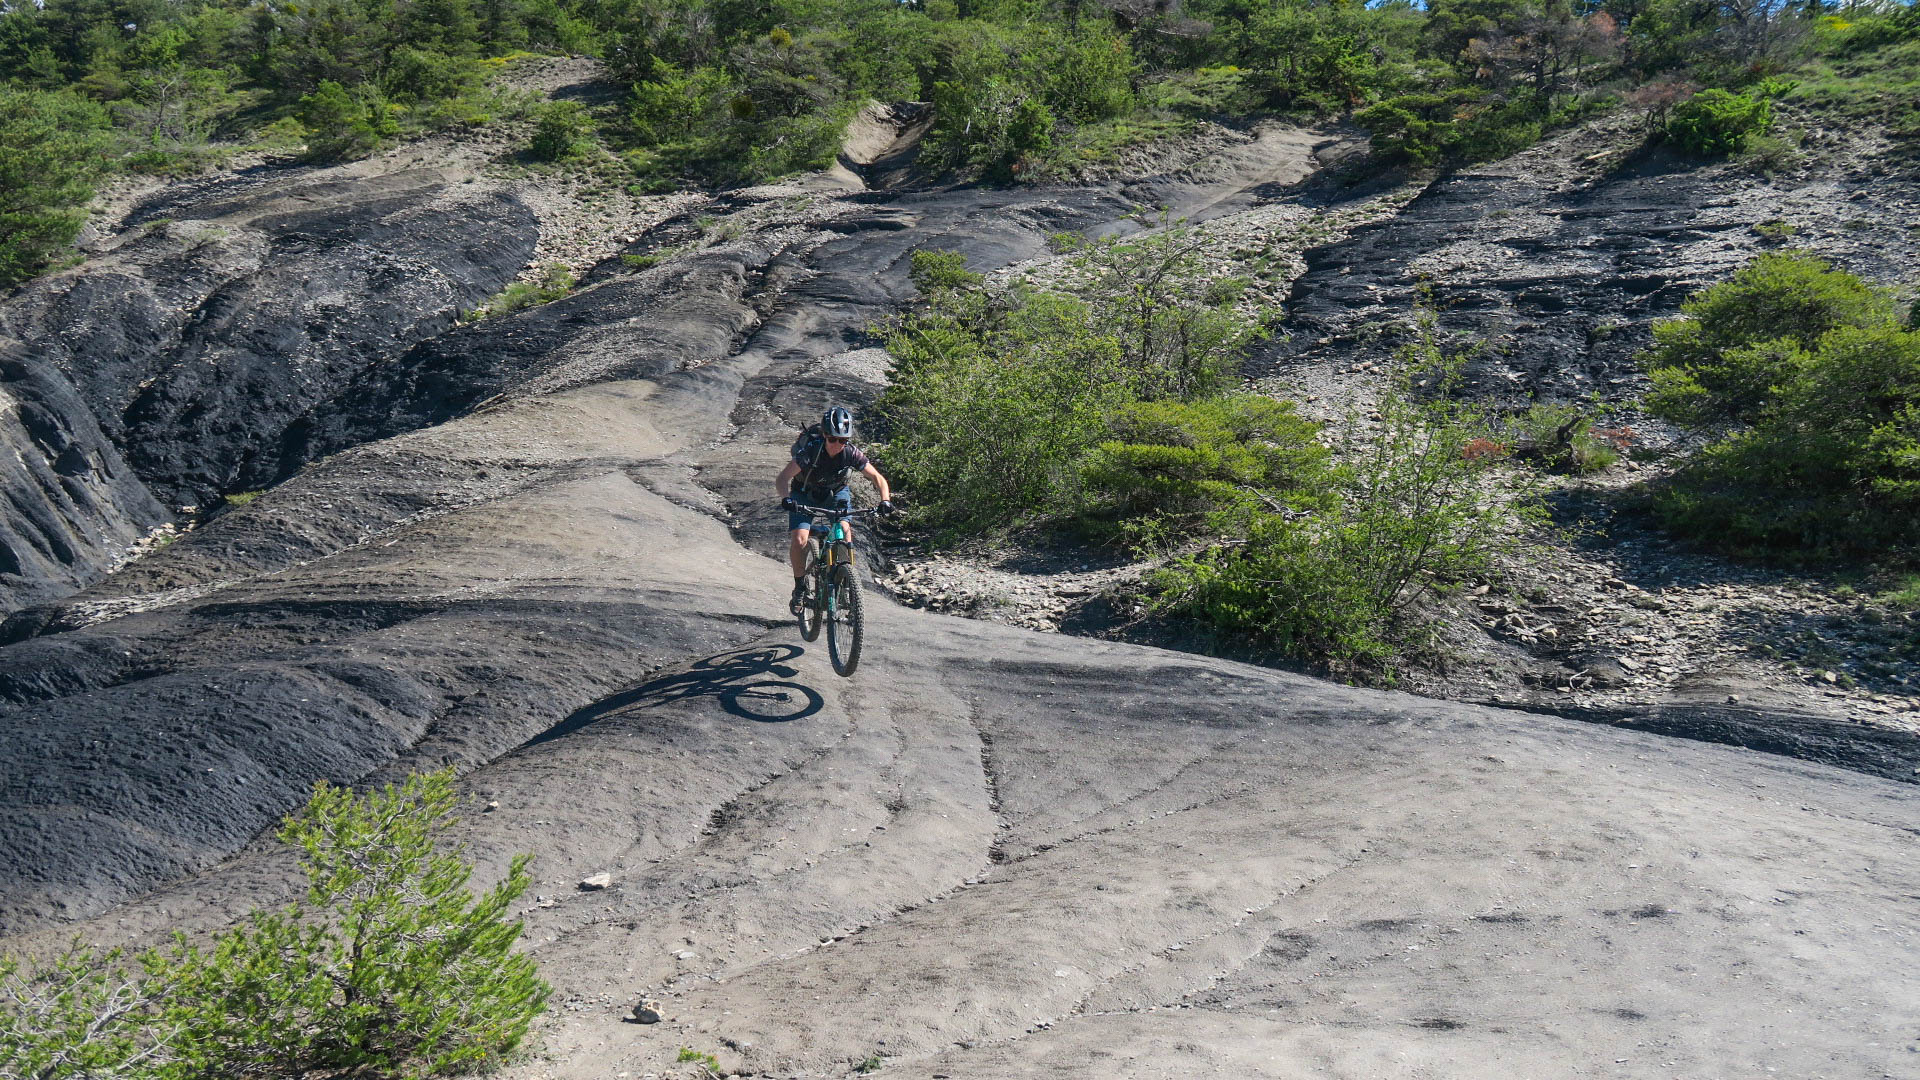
column 830, row 583
column 836, row 533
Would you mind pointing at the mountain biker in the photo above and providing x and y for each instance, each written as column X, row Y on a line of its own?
column 823, row 459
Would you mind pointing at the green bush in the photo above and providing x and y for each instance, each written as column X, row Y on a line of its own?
column 433, row 81
column 556, row 281
column 994, row 400
column 1734, row 342
column 53, row 146
column 1202, row 92
column 1560, row 438
column 1090, row 77
column 1417, row 128
column 561, row 132
column 84, row 1014
column 345, row 124
column 1180, row 329
column 772, row 117
column 1824, row 385
column 397, row 969
column 391, row 968
column 932, row 271
column 998, row 394
column 1211, row 462
column 997, row 126
column 1459, row 125
column 1411, row 507
column 1718, row 122
column 1831, row 466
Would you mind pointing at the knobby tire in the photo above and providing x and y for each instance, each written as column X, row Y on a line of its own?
column 813, row 610
column 843, row 621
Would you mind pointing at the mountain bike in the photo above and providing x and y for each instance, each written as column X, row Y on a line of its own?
column 833, row 589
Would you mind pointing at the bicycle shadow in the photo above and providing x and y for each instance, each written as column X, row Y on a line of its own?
column 734, row 678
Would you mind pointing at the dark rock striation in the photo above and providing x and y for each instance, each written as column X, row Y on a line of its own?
column 158, row 369
column 68, row 501
column 1548, row 269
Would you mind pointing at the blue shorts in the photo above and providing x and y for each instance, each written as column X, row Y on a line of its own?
column 800, row 519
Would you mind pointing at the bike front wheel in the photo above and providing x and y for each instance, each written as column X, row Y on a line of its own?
column 843, row 620
column 812, row 610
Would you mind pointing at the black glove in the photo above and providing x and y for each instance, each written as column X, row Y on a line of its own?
column 887, row 509
column 789, row 505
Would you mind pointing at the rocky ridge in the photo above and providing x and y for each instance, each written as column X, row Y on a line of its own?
column 1548, row 269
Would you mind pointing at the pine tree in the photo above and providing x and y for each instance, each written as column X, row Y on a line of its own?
column 391, row 966
column 53, row 146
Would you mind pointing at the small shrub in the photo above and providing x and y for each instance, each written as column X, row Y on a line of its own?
column 84, row 1014
column 392, row 967
column 343, row 124
column 399, row 969
column 561, row 132
column 1735, row 341
column 1210, row 462
column 932, row 271
column 556, row 281
column 1561, row 438
column 701, row 1060
column 1605, row 329
column 1718, row 122
column 1823, row 455
column 642, row 262
column 242, row 498
column 1412, row 507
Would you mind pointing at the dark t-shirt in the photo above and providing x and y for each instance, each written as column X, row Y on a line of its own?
column 822, row 473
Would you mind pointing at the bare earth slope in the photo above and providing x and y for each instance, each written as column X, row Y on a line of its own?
column 993, row 852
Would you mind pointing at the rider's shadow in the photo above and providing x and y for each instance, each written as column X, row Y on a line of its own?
column 737, row 679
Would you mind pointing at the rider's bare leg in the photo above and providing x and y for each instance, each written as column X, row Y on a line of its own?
column 797, row 551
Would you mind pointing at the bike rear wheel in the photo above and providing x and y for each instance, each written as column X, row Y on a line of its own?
column 812, row 608
column 843, row 620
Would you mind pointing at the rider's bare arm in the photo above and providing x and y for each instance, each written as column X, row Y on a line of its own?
column 879, row 481
column 783, row 483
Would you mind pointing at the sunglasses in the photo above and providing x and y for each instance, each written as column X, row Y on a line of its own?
column 831, row 441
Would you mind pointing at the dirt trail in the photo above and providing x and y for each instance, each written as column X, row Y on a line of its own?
column 992, row 853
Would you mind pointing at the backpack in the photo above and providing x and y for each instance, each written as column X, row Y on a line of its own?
column 809, row 450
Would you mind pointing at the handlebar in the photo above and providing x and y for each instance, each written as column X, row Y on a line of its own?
column 834, row 511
